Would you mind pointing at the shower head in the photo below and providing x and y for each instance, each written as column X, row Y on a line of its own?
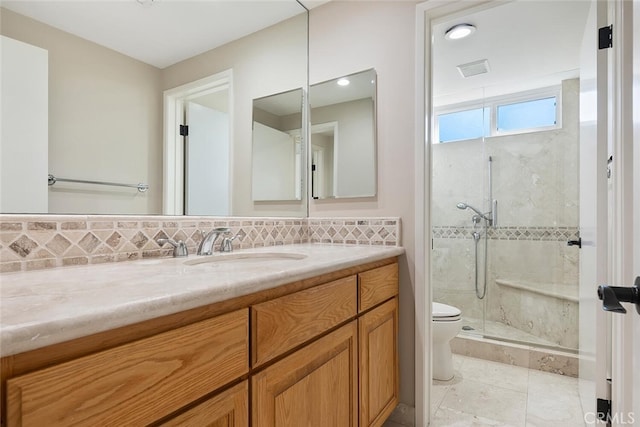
column 463, row 206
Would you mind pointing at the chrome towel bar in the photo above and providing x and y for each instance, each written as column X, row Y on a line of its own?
column 141, row 187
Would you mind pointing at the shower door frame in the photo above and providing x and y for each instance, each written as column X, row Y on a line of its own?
column 425, row 13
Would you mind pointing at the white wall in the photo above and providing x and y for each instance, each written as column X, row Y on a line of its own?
column 346, row 37
column 23, row 144
column 105, row 121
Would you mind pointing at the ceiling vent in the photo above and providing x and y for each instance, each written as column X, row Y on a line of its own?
column 474, row 68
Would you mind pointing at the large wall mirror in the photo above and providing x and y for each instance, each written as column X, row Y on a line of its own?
column 116, row 73
column 343, row 136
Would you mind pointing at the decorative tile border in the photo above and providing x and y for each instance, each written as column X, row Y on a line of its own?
column 33, row 242
column 357, row 231
column 509, row 233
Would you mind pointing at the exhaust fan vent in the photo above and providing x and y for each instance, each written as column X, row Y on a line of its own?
column 474, row 68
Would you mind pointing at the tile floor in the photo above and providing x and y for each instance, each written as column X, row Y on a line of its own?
column 485, row 393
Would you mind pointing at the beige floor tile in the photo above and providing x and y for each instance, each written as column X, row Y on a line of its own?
column 446, row 417
column 545, row 382
column 497, row 374
column 554, row 409
column 438, row 390
column 485, row 393
column 487, row 401
column 391, row 424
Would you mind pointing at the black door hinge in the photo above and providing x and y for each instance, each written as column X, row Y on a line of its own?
column 603, row 410
column 184, row 130
column 605, row 37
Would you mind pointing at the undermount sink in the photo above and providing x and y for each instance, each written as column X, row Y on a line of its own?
column 246, row 257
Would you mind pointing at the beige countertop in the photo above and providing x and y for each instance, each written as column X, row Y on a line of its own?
column 44, row 307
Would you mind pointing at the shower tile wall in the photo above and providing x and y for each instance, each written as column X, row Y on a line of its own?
column 535, row 180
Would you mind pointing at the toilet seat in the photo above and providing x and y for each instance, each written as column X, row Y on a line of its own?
column 445, row 313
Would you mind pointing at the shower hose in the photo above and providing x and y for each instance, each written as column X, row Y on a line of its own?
column 476, row 238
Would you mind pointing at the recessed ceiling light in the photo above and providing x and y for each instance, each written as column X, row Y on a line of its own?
column 459, row 31
column 343, row 82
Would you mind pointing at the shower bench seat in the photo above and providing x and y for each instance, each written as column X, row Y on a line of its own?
column 561, row 291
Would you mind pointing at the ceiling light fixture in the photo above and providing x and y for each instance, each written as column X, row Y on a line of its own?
column 343, row 82
column 459, row 31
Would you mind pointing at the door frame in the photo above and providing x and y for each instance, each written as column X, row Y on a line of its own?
column 621, row 197
column 173, row 147
column 426, row 12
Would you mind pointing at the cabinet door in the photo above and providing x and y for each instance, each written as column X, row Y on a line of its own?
column 317, row 386
column 227, row 409
column 379, row 387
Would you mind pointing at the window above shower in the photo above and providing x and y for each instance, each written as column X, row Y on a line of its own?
column 524, row 112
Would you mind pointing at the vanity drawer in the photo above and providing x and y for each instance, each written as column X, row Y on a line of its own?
column 283, row 323
column 377, row 285
column 229, row 408
column 136, row 383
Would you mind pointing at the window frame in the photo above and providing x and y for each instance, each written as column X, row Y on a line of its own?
column 492, row 104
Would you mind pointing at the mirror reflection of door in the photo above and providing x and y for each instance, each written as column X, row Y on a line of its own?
column 207, row 150
column 324, row 140
column 276, row 152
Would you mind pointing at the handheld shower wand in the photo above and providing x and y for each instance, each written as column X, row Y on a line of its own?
column 464, row 206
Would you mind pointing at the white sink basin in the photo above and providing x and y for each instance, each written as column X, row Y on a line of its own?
column 246, row 257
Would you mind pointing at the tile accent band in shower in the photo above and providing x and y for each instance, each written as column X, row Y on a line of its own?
column 508, row 233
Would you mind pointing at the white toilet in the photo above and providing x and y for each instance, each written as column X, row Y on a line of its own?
column 446, row 322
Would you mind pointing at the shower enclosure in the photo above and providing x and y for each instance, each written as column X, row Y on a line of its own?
column 505, row 181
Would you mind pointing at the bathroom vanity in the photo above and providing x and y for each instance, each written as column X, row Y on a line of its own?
column 273, row 340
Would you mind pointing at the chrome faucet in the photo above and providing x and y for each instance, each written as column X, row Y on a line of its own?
column 207, row 245
column 179, row 247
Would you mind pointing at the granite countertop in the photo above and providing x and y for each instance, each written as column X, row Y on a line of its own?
column 44, row 307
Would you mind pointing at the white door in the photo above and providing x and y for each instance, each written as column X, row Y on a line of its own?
column 273, row 161
column 25, row 122
column 206, row 161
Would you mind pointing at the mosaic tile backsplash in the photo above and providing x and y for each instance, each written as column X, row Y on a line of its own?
column 33, row 242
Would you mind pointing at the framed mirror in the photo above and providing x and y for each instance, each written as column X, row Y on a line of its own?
column 108, row 66
column 277, row 149
column 343, row 137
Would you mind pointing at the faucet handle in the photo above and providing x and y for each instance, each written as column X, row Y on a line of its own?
column 179, row 247
column 227, row 245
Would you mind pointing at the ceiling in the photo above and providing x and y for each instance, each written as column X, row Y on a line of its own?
column 160, row 32
column 528, row 44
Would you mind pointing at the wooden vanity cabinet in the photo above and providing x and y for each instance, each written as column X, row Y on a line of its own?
column 319, row 352
column 346, row 378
